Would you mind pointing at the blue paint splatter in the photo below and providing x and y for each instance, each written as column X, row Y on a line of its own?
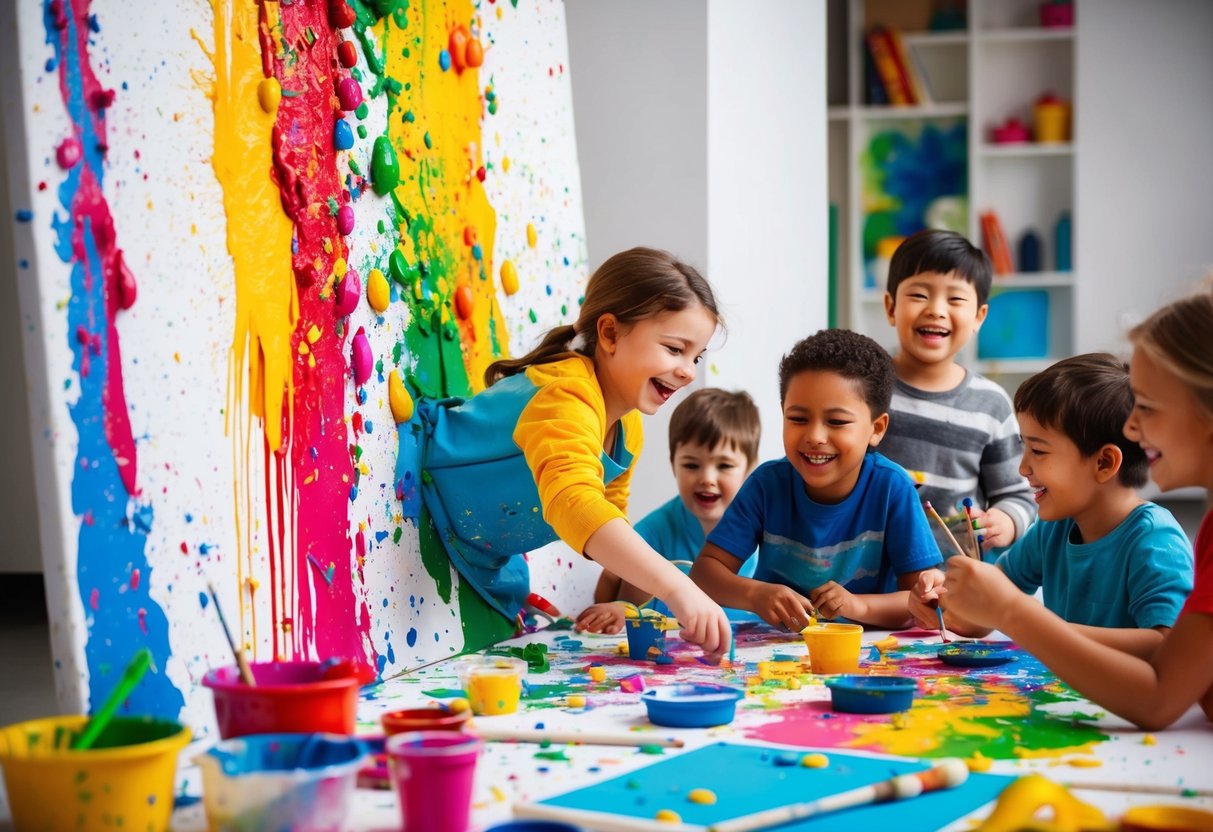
column 411, row 638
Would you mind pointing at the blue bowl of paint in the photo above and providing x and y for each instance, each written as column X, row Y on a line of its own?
column 855, row 694
column 533, row 826
column 281, row 781
column 692, row 706
column 976, row 654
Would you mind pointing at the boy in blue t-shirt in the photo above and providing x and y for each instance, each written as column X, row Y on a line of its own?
column 714, row 437
column 1109, row 563
column 839, row 529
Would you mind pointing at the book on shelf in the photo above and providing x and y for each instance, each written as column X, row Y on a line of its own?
column 871, row 80
column 896, row 87
column 994, row 240
column 911, row 73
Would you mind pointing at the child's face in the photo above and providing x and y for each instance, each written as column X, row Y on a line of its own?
column 1170, row 426
column 1062, row 479
column 641, row 365
column 935, row 315
column 827, row 429
column 708, row 478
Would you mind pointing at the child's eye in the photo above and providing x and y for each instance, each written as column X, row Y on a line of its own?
column 1036, row 452
column 796, row 420
column 918, row 296
column 958, row 300
column 674, row 350
column 838, row 423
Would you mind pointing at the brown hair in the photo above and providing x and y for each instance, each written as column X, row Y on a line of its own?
column 632, row 285
column 711, row 415
column 1088, row 398
column 1176, row 338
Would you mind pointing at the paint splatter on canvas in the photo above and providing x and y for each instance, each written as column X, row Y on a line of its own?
column 256, row 232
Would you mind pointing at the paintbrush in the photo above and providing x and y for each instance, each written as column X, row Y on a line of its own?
column 130, row 677
column 951, row 537
column 943, row 631
column 945, row 774
column 968, row 506
column 541, row 735
column 246, row 672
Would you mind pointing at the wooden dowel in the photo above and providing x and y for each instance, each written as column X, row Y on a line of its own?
column 587, row 738
column 951, row 537
column 1141, row 788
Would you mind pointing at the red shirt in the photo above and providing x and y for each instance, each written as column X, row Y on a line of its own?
column 1201, row 599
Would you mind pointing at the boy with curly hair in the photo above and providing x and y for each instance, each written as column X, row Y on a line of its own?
column 839, row 528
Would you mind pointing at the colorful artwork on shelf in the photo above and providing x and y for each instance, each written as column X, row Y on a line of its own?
column 914, row 175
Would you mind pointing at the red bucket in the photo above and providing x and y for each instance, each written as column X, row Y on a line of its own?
column 289, row 698
column 424, row 719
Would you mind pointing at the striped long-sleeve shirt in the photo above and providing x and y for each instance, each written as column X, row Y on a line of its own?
column 965, row 443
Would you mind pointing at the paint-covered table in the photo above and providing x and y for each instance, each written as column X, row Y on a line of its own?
column 1016, row 718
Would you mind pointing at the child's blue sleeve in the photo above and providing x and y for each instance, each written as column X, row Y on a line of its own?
column 1159, row 574
column 739, row 531
column 1024, row 562
column 908, row 542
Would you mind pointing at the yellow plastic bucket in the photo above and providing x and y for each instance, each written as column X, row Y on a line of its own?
column 124, row 781
column 833, row 648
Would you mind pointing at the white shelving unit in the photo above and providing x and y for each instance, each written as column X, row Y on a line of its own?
column 995, row 68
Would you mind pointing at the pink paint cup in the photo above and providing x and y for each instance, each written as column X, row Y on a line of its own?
column 433, row 772
column 289, row 698
column 424, row 719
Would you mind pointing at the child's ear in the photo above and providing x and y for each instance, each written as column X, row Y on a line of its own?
column 982, row 311
column 1108, row 460
column 879, row 425
column 608, row 332
column 890, row 303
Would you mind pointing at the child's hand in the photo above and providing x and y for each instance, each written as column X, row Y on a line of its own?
column 832, row 600
column 782, row 606
column 980, row 593
column 995, row 526
column 600, row 618
column 703, row 621
column 924, row 598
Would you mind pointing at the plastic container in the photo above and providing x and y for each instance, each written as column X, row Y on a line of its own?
column 1029, row 252
column 1052, row 118
column 433, row 772
column 301, row 782
column 1056, row 15
column 692, row 706
column 833, row 648
column 975, row 654
column 424, row 719
column 1012, row 131
column 289, row 698
column 493, row 683
column 871, row 694
column 1062, row 242
column 126, row 777
column 644, row 635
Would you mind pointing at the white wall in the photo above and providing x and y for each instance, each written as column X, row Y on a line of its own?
column 701, row 130
column 1144, row 114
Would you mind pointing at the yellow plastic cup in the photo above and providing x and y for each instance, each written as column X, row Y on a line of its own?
column 493, row 683
column 125, row 779
column 833, row 648
column 1052, row 117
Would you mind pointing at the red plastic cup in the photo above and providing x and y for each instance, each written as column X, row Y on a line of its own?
column 433, row 772
column 289, row 698
column 423, row 719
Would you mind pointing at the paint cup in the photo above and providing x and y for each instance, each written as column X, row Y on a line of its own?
column 645, row 635
column 302, row 782
column 1162, row 818
column 434, row 718
column 289, row 698
column 533, row 826
column 493, row 683
column 125, row 778
column 833, row 648
column 433, row 772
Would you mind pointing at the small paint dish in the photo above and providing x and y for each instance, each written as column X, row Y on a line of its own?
column 432, row 718
column 533, row 826
column 975, row 654
column 692, row 706
column 854, row 694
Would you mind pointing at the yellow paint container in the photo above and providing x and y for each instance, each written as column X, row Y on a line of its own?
column 125, row 779
column 493, row 683
column 833, row 648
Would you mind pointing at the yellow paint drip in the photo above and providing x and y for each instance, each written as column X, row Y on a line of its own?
column 509, row 277
column 269, row 93
column 531, row 237
column 399, row 399
column 703, row 797
column 815, row 761
column 667, row 816
column 378, row 293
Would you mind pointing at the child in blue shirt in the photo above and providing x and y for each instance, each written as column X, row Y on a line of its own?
column 839, row 529
column 1111, row 564
column 714, row 438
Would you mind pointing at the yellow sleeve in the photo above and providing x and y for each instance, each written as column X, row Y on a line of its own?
column 560, row 433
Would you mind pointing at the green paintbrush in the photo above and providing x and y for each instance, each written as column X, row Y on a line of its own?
column 130, row 677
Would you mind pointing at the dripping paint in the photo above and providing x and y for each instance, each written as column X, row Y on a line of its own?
column 243, row 220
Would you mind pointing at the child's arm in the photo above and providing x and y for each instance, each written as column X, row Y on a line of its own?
column 1135, row 641
column 608, row 588
column 617, row 547
column 888, row 610
column 780, row 606
column 1151, row 694
column 924, row 600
